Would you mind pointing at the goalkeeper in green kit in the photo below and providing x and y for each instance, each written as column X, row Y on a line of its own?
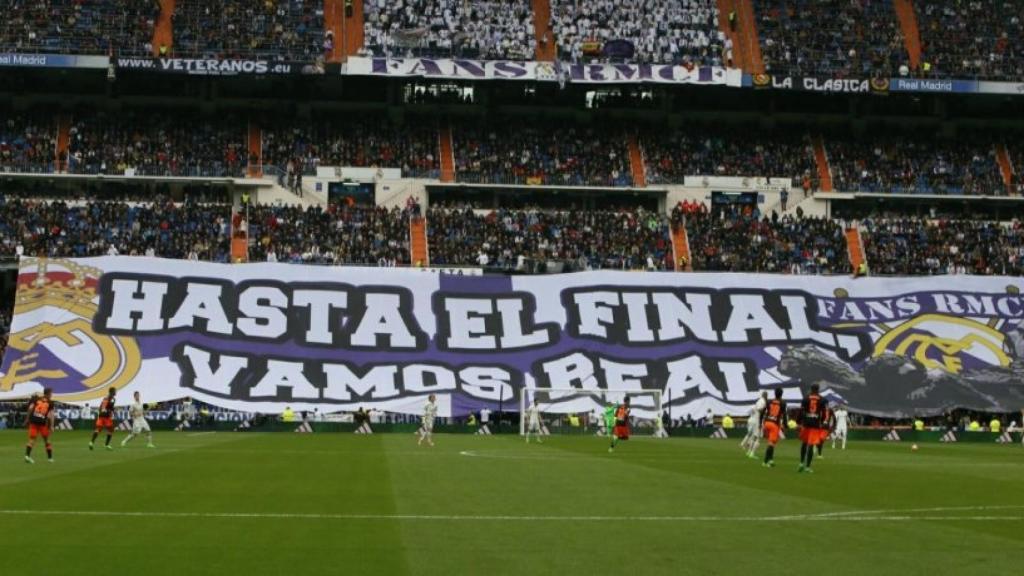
column 609, row 419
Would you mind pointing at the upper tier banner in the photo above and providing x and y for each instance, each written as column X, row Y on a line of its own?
column 20, row 60
column 459, row 69
column 219, row 67
column 880, row 86
column 262, row 337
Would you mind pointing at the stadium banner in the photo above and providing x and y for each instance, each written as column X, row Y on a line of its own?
column 455, row 69
column 826, row 85
column 1009, row 88
column 52, row 61
column 933, row 86
column 218, row 67
column 262, row 337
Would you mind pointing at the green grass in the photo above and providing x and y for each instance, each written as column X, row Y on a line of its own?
column 349, row 504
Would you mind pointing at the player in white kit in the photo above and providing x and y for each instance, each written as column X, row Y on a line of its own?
column 429, row 414
column 842, row 426
column 753, row 437
column 139, row 424
column 533, row 422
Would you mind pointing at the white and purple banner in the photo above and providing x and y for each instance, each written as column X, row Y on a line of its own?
column 463, row 69
column 262, row 337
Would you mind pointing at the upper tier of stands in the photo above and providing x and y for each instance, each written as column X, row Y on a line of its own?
column 830, row 38
column 649, row 31
column 279, row 30
column 823, row 38
column 972, row 38
column 77, row 27
column 488, row 29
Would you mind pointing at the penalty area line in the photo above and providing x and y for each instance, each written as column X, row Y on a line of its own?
column 503, row 518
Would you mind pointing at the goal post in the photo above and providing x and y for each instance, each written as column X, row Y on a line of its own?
column 578, row 411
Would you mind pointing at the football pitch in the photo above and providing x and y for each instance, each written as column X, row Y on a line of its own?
column 258, row 503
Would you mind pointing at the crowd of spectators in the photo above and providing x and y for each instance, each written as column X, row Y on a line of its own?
column 335, row 234
column 96, row 27
column 1016, row 153
column 670, row 155
column 377, row 143
column 981, row 39
column 541, row 153
column 922, row 246
column 912, row 163
column 583, row 239
column 486, row 29
column 647, row 31
column 28, row 142
column 831, row 38
column 737, row 240
column 157, row 144
column 77, row 229
column 278, row 30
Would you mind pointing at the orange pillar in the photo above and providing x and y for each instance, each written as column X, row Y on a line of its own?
column 447, row 151
column 824, row 169
column 681, row 249
column 636, row 162
column 542, row 30
column 911, row 31
column 255, row 140
column 1005, row 167
column 747, row 28
column 163, row 31
column 418, row 242
column 855, row 248
column 63, row 143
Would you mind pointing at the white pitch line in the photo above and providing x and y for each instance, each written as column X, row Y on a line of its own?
column 895, row 517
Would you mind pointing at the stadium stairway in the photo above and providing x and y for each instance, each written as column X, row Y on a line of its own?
column 724, row 8
column 636, row 162
column 255, row 139
column 681, row 249
column 163, row 31
column 345, row 19
column 911, row 33
column 63, row 143
column 750, row 43
column 447, row 150
column 855, row 248
column 1005, row 167
column 824, row 169
column 542, row 30
column 418, row 242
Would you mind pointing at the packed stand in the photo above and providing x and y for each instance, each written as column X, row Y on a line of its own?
column 336, row 234
column 157, row 144
column 671, row 155
column 559, row 155
column 646, row 31
column 735, row 240
column 584, row 239
column 915, row 164
column 99, row 27
column 972, row 39
column 830, row 38
column 362, row 143
column 286, row 30
column 919, row 246
column 485, row 29
column 78, row 229
column 28, row 142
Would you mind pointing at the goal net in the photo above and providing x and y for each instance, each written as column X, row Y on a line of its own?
column 576, row 411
